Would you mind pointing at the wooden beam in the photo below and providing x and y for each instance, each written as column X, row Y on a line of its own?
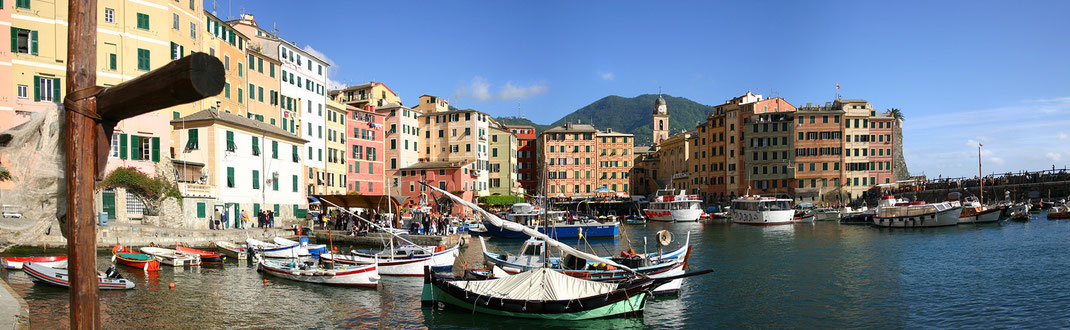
column 81, row 165
column 182, row 81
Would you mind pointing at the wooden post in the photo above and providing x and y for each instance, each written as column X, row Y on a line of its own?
column 81, row 165
column 88, row 133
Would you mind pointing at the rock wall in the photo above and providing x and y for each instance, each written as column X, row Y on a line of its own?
column 899, row 162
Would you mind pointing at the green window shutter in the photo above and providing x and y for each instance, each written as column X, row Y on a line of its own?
column 226, row 90
column 252, row 92
column 276, row 208
column 143, row 62
column 296, row 156
column 295, row 210
column 256, row 179
column 112, row 62
column 14, row 40
column 259, row 65
column 156, row 149
column 201, row 210
column 192, row 144
column 122, row 146
column 230, row 141
column 251, row 63
column 175, row 115
column 56, row 91
column 275, row 149
column 33, row 42
column 259, row 94
column 256, row 146
column 230, row 177
column 271, row 69
column 275, row 185
column 295, row 183
column 256, row 208
column 36, row 88
column 240, row 95
column 135, row 141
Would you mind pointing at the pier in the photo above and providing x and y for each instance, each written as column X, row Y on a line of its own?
column 1047, row 184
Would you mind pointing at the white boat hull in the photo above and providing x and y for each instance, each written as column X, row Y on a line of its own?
column 779, row 217
column 272, row 250
column 365, row 276
column 61, row 264
column 171, row 257
column 687, row 215
column 949, row 217
column 992, row 216
column 827, row 216
column 399, row 267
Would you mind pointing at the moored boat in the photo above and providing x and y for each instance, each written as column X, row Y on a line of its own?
column 528, row 215
column 757, row 210
column 1059, row 212
column 401, row 257
column 304, row 248
column 124, row 256
column 205, row 256
column 272, row 250
column 171, row 257
column 109, row 280
column 232, row 249
column 974, row 212
column 827, row 214
column 363, row 275
column 670, row 207
column 902, row 214
column 17, row 262
column 1020, row 212
column 859, row 217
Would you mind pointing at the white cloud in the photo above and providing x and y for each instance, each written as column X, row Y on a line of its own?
column 972, row 143
column 1052, row 156
column 1063, row 136
column 608, row 76
column 997, row 160
column 478, row 89
column 332, row 67
column 513, row 92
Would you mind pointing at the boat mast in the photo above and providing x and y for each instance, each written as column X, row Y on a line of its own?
column 980, row 175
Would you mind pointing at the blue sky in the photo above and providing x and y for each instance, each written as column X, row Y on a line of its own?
column 990, row 72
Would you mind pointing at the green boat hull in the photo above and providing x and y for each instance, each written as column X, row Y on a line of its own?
column 632, row 306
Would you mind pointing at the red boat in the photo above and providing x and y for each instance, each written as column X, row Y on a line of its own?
column 16, row 262
column 205, row 255
column 125, row 256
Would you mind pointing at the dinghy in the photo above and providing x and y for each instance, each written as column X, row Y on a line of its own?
column 232, row 250
column 171, row 257
column 110, row 280
column 125, row 256
column 16, row 262
column 272, row 250
column 363, row 276
column 206, row 256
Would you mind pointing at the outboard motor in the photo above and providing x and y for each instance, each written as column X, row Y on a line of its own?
column 112, row 273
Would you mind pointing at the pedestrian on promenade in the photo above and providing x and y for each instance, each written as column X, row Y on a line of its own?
column 215, row 220
column 211, row 222
column 260, row 218
column 226, row 220
column 271, row 219
column 244, row 220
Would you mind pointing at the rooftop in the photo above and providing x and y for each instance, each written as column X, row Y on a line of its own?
column 572, row 128
column 216, row 115
column 436, row 165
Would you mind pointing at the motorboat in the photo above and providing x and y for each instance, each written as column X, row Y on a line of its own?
column 401, row 257
column 108, row 280
column 1059, row 212
column 16, row 262
column 559, row 224
column 362, row 275
column 272, row 250
column 232, row 249
column 1020, row 212
column 757, row 210
column 895, row 213
column 125, row 256
column 205, row 256
column 974, row 212
column 827, row 214
column 804, row 216
column 858, row 217
column 670, row 206
column 305, row 248
column 172, row 257
column 533, row 255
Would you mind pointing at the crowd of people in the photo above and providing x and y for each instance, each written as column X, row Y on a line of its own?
column 222, row 220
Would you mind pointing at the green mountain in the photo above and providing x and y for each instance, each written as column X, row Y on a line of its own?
column 629, row 115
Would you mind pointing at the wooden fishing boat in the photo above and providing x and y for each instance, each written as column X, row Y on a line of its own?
column 1059, row 213
column 272, row 250
column 401, row 258
column 171, row 257
column 363, row 276
column 206, row 256
column 232, row 250
column 16, row 262
column 110, row 280
column 123, row 255
column 542, row 294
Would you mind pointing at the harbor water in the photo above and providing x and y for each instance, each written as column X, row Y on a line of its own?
column 822, row 275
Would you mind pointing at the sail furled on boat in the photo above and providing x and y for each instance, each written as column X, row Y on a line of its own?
column 513, row 226
column 541, row 284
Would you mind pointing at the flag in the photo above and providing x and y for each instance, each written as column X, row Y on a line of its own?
column 837, row 86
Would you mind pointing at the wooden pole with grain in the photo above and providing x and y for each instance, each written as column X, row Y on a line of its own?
column 90, row 116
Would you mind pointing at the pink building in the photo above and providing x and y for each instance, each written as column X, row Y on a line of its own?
column 457, row 177
column 880, row 147
column 364, row 144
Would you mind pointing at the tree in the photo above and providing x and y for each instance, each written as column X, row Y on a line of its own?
column 896, row 113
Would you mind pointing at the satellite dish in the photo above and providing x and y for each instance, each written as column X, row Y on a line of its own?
column 664, row 237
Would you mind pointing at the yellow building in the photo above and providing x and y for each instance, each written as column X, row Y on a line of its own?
column 186, row 30
column 229, row 45
column 264, row 98
column 373, row 93
column 335, row 182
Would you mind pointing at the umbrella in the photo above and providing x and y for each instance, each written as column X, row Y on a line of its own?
column 603, row 189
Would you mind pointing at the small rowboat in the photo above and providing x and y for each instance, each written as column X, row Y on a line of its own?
column 206, row 256
column 232, row 250
column 16, row 262
column 171, row 257
column 123, row 255
column 110, row 280
column 272, row 250
column 364, row 276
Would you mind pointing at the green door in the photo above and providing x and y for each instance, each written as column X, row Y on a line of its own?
column 109, row 204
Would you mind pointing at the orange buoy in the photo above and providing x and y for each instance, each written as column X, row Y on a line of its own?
column 172, row 285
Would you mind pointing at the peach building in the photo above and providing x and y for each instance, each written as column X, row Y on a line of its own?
column 457, row 177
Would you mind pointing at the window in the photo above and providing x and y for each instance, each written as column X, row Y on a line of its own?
column 46, row 89
column 175, row 21
column 230, row 142
column 143, row 21
column 24, row 4
column 143, row 60
column 193, row 30
column 109, row 15
column 230, row 177
column 256, row 179
column 113, row 62
column 23, row 41
column 192, row 143
column 22, row 91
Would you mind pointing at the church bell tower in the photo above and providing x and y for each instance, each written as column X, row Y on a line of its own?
column 661, row 121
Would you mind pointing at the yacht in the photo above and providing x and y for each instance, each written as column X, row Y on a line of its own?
column 892, row 212
column 674, row 207
column 757, row 210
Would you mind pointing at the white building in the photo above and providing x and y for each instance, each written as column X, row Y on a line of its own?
column 229, row 161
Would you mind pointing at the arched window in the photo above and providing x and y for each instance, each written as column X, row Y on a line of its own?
column 661, row 125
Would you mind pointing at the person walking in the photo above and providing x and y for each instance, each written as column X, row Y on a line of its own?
column 225, row 219
column 215, row 220
column 244, row 220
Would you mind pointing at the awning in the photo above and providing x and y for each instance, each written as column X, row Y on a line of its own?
column 314, row 199
column 380, row 202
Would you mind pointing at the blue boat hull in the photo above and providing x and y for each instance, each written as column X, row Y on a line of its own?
column 559, row 231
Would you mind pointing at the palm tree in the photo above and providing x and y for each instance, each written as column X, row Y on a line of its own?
column 896, row 113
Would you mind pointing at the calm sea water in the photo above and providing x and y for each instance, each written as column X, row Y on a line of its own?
column 814, row 276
